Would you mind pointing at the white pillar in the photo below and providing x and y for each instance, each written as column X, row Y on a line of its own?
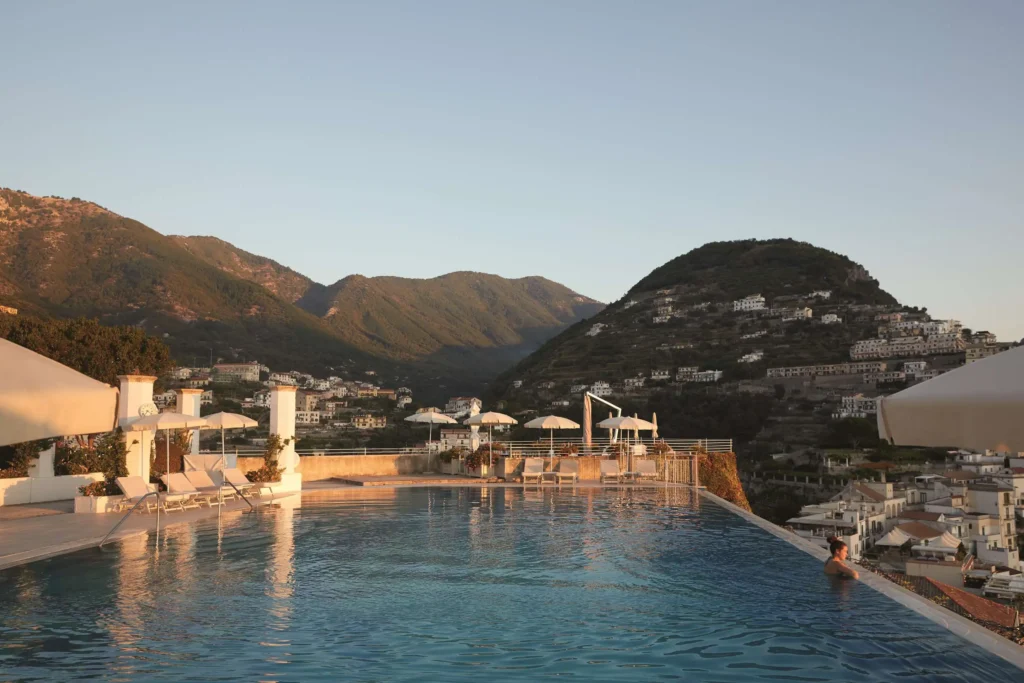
column 474, row 431
column 189, row 402
column 282, row 423
column 136, row 391
column 42, row 467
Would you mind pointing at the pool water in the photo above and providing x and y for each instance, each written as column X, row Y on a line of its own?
column 466, row 584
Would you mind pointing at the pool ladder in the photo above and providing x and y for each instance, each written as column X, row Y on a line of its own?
column 158, row 506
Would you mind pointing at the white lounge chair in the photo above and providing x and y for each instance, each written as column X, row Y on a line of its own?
column 646, row 470
column 568, row 470
column 205, row 485
column 610, row 471
column 235, row 476
column 533, row 468
column 135, row 489
column 177, row 484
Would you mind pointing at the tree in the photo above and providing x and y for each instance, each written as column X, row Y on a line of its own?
column 855, row 432
column 95, row 350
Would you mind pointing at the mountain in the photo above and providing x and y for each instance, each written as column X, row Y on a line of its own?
column 203, row 296
column 482, row 321
column 682, row 316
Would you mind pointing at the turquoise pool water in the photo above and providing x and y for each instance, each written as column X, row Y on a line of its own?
column 466, row 584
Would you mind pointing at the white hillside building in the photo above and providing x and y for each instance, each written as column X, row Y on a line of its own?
column 754, row 302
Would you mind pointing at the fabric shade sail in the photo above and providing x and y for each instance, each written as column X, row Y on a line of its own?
column 40, row 398
column 977, row 407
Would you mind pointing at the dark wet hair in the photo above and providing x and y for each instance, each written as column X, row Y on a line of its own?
column 835, row 545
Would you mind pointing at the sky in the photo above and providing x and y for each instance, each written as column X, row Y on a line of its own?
column 582, row 140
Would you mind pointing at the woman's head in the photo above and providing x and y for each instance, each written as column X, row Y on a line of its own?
column 837, row 548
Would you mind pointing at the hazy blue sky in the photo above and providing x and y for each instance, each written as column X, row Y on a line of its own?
column 585, row 141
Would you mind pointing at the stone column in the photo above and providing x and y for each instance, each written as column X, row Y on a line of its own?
column 474, row 431
column 42, row 467
column 282, row 423
column 136, row 391
column 189, row 402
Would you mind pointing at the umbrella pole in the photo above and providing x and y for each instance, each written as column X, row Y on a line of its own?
column 223, row 452
column 167, row 460
column 490, row 448
column 551, row 451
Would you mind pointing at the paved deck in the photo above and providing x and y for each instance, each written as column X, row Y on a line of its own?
column 28, row 539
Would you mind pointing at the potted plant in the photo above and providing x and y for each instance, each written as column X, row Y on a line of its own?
column 107, row 454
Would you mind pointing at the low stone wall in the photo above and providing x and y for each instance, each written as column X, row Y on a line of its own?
column 23, row 490
column 318, row 467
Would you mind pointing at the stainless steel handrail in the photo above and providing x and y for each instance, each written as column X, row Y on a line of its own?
column 242, row 496
column 129, row 513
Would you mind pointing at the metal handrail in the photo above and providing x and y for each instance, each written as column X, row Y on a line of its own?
column 129, row 513
column 242, row 496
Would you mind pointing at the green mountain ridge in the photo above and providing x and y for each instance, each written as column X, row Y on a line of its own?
column 64, row 258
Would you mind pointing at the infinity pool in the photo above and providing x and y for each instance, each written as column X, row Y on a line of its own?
column 466, row 584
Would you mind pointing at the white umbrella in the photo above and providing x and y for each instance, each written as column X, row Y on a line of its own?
column 978, row 407
column 431, row 418
column 489, row 420
column 224, row 421
column 167, row 422
column 551, row 423
column 629, row 424
column 40, row 398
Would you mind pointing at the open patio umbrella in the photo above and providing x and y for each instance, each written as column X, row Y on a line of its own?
column 224, row 421
column 166, row 422
column 629, row 424
column 431, row 418
column 979, row 407
column 489, row 420
column 40, row 398
column 551, row 423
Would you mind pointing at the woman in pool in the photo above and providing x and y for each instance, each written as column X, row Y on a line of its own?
column 836, row 565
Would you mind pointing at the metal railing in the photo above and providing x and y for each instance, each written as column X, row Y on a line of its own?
column 515, row 448
column 129, row 514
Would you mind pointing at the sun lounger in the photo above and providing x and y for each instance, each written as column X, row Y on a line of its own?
column 233, row 475
column 646, row 470
column 204, row 484
column 533, row 468
column 568, row 470
column 176, row 483
column 135, row 489
column 610, row 471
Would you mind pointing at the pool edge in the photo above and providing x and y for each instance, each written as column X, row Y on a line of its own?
column 956, row 624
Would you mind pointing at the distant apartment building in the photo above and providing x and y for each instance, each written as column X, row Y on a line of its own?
column 752, row 357
column 634, row 382
column 167, row 398
column 462, row 406
column 826, row 370
column 754, row 302
column 983, row 337
column 661, row 300
column 387, row 393
column 197, row 381
column 318, row 384
column 754, row 335
column 601, row 388
column 261, row 399
column 857, row 405
column 236, row 372
column 578, row 388
column 792, row 314
column 831, row 319
column 664, row 311
column 369, row 421
column 938, row 344
column 282, row 378
column 889, row 317
column 517, row 384
column 181, row 373
column 977, row 352
column 596, row 328
column 884, row 377
column 661, row 375
column 686, row 373
column 707, row 376
column 307, row 417
column 403, row 400
column 660, row 319
column 915, row 367
column 206, row 398
column 8, row 310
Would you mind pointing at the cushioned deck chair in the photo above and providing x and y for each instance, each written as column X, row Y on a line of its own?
column 610, row 471
column 177, row 483
column 135, row 489
column 235, row 476
column 204, row 484
column 568, row 470
column 646, row 470
column 533, row 468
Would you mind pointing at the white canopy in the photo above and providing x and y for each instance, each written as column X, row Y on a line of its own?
column 979, row 406
column 551, row 422
column 490, row 419
column 947, row 543
column 167, row 422
column 895, row 538
column 431, row 418
column 627, row 423
column 229, row 421
column 40, row 398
